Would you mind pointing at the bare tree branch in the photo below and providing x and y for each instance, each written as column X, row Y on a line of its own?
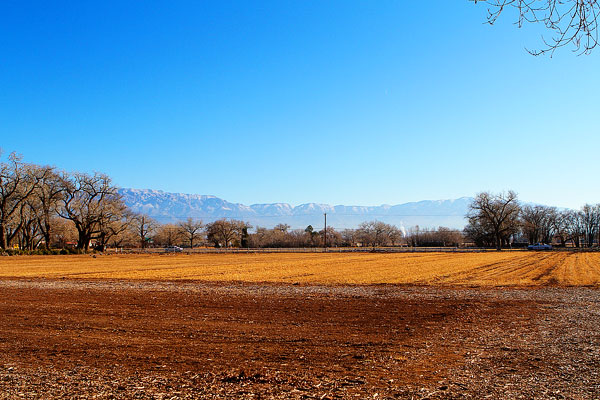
column 569, row 21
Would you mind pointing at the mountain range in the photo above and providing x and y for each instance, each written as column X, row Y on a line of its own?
column 173, row 207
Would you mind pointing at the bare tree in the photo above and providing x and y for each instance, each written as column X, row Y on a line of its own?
column 479, row 233
column 538, row 223
column 126, row 237
column 349, row 237
column 47, row 196
column 560, row 225
column 89, row 201
column 17, row 183
column 117, row 220
column 282, row 227
column 448, row 237
column 191, row 230
column 394, row 235
column 224, row 233
column 496, row 214
column 168, row 235
column 63, row 231
column 569, row 21
column 574, row 226
column 334, row 238
column 371, row 233
column 29, row 236
column 144, row 227
column 590, row 218
column 440, row 237
column 377, row 233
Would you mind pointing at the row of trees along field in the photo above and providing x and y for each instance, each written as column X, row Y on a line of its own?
column 500, row 220
column 146, row 232
column 494, row 220
column 42, row 207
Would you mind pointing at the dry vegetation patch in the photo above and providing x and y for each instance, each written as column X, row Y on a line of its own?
column 486, row 269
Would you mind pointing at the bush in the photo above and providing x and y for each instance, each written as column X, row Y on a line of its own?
column 75, row 251
column 40, row 252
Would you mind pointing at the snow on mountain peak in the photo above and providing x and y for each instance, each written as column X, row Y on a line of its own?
column 172, row 207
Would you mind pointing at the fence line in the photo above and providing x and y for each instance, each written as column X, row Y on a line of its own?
column 317, row 250
column 236, row 250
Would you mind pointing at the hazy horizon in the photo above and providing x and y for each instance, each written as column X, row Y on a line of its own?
column 293, row 204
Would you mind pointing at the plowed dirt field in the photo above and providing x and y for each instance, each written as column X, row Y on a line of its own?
column 301, row 326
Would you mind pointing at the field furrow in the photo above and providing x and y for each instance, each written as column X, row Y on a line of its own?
column 487, row 268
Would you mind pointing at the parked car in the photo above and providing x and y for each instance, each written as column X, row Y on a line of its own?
column 173, row 249
column 539, row 246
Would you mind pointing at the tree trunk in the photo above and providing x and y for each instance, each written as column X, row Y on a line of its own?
column 498, row 242
column 2, row 237
column 47, row 239
column 83, row 242
column 46, row 233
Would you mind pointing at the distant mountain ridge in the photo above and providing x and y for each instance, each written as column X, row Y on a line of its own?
column 172, row 207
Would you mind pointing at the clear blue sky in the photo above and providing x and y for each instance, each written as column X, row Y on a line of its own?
column 341, row 102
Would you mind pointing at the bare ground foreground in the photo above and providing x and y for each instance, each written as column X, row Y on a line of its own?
column 80, row 336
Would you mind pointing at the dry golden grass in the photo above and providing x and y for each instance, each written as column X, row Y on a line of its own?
column 505, row 268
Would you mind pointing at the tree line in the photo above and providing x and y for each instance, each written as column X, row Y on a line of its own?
column 500, row 220
column 225, row 233
column 39, row 205
column 42, row 207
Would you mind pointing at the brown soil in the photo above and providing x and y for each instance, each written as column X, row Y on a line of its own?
column 175, row 340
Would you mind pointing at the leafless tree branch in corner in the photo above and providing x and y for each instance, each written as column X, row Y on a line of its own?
column 569, row 21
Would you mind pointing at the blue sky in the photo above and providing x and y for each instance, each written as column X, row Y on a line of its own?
column 341, row 102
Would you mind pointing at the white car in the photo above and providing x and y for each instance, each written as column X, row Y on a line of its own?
column 173, row 249
column 539, row 246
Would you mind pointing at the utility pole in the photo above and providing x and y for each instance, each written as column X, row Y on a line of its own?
column 325, row 231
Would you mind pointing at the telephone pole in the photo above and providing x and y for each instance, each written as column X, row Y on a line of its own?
column 325, row 231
